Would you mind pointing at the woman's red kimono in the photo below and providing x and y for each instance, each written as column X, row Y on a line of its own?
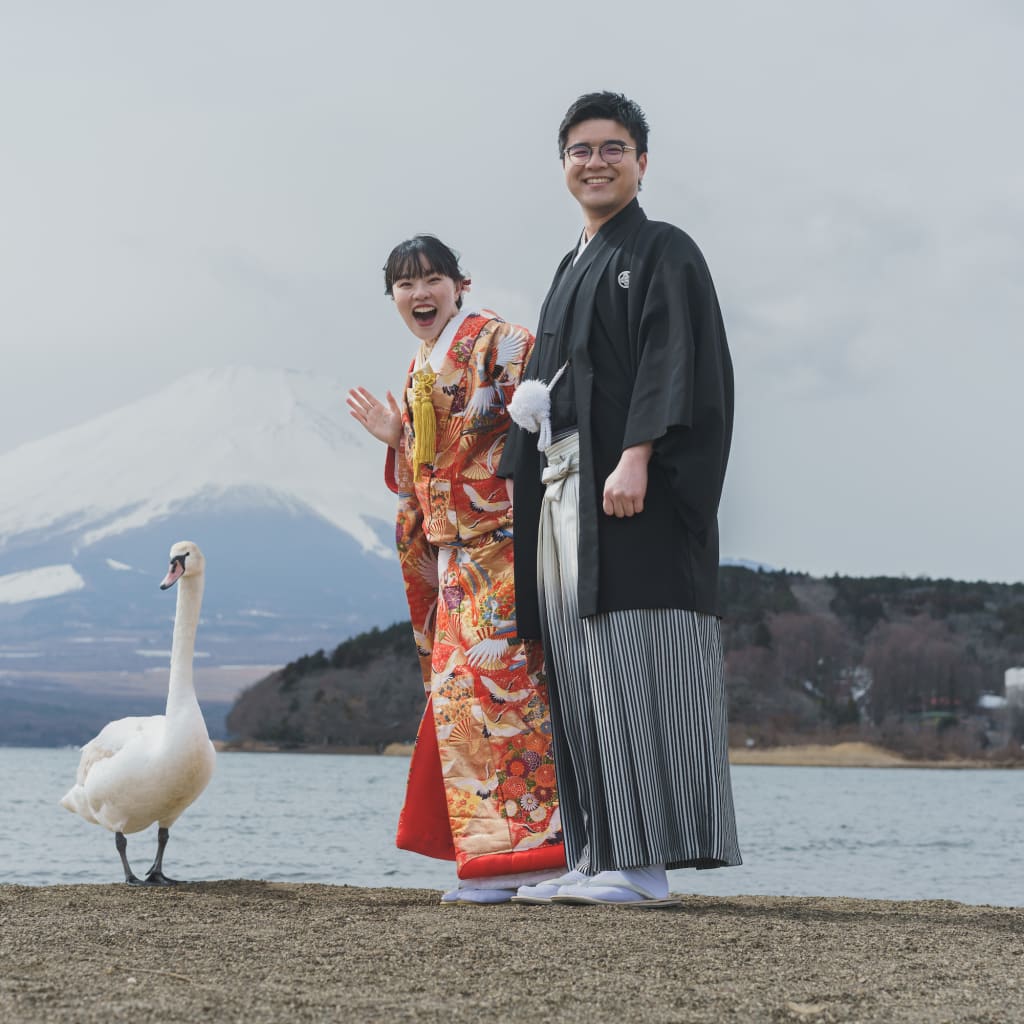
column 481, row 785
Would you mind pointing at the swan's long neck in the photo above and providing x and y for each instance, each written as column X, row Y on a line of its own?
column 181, row 693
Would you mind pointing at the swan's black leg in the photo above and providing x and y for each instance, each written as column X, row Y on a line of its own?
column 122, row 845
column 155, row 875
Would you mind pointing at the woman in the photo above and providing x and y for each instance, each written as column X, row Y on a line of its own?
column 481, row 785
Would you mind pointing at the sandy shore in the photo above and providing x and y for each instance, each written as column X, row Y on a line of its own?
column 258, row 951
column 844, row 755
column 808, row 755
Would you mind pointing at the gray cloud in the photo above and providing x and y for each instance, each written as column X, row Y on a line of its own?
column 220, row 183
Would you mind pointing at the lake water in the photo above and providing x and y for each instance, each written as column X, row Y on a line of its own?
column 872, row 833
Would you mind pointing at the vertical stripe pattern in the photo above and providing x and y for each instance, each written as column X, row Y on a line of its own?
column 638, row 712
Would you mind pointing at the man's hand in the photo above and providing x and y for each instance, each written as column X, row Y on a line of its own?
column 626, row 486
column 383, row 421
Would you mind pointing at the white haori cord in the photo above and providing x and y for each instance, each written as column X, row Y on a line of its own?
column 530, row 408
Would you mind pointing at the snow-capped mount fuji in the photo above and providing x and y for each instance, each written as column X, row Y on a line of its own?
column 278, row 431
column 263, row 468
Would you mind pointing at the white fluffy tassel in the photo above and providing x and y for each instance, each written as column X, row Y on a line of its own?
column 530, row 408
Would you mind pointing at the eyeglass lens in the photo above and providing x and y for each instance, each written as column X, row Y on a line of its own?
column 610, row 152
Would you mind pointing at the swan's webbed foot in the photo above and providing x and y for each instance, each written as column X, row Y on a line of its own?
column 122, row 845
column 155, row 875
column 159, row 878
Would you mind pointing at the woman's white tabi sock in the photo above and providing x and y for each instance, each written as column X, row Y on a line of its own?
column 493, row 888
column 512, row 881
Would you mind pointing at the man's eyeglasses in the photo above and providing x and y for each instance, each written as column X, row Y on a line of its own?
column 609, row 152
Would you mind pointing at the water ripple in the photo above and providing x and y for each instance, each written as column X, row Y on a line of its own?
column 887, row 834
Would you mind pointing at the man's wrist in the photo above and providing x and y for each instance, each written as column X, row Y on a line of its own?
column 638, row 453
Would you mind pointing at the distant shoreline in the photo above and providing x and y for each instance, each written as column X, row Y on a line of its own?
column 851, row 754
column 806, row 755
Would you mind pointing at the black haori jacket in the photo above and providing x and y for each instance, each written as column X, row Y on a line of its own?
column 639, row 319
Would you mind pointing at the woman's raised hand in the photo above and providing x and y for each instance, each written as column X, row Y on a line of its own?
column 383, row 421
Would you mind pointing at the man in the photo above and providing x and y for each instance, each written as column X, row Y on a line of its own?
column 617, row 534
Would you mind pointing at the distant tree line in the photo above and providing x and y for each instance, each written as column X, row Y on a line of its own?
column 356, row 652
column 896, row 660
column 900, row 661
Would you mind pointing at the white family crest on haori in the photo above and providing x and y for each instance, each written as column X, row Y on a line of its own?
column 138, row 771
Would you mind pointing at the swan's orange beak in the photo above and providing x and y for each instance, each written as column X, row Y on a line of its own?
column 175, row 572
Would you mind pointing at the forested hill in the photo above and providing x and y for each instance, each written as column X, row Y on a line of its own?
column 903, row 661
column 367, row 693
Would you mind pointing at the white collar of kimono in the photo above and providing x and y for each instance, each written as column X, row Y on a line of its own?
column 447, row 338
column 584, row 242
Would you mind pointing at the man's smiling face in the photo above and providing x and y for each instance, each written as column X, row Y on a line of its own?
column 602, row 189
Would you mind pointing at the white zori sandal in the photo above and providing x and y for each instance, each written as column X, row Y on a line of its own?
column 634, row 887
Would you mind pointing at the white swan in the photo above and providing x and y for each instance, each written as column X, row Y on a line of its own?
column 143, row 770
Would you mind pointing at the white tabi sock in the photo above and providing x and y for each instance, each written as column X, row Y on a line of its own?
column 494, row 888
column 650, row 881
column 511, row 881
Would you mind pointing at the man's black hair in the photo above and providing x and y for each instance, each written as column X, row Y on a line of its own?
column 422, row 254
column 611, row 106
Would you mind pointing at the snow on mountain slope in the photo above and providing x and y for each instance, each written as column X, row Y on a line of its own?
column 36, row 584
column 283, row 437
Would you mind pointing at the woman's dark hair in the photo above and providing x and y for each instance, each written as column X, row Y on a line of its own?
column 422, row 254
column 611, row 106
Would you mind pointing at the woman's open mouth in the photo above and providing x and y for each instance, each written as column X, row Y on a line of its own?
column 425, row 315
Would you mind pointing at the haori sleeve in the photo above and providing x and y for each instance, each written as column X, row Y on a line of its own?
column 665, row 346
column 682, row 396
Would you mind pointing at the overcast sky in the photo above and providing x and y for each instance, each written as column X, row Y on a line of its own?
column 219, row 182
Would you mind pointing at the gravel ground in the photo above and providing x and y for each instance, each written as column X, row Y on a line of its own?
column 261, row 951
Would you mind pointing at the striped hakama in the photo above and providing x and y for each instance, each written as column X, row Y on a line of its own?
column 638, row 712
